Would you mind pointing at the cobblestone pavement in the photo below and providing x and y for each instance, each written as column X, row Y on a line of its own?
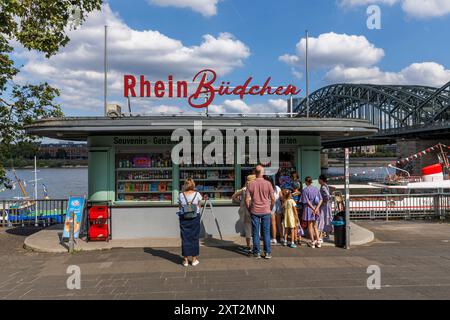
column 414, row 258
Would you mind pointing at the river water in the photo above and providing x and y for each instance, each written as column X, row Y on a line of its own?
column 62, row 182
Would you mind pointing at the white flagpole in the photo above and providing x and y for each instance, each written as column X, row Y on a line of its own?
column 35, row 193
column 307, row 75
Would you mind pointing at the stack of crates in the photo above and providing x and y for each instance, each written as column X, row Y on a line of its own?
column 98, row 223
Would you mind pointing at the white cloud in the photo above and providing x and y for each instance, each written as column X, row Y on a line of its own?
column 425, row 73
column 78, row 68
column 353, row 59
column 205, row 7
column 354, row 3
column 414, row 8
column 297, row 74
column 240, row 106
column 330, row 49
column 426, row 8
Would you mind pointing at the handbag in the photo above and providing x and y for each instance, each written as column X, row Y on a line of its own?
column 189, row 209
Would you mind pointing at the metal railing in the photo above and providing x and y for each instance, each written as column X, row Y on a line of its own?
column 400, row 206
column 29, row 212
column 45, row 212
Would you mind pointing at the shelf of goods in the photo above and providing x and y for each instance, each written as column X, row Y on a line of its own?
column 144, row 178
column 216, row 182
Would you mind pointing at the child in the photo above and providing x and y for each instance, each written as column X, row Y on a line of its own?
column 296, row 195
column 290, row 218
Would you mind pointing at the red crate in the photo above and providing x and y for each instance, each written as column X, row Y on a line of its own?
column 98, row 212
column 98, row 232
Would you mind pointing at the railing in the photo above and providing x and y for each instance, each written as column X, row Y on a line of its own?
column 379, row 206
column 400, row 206
column 27, row 212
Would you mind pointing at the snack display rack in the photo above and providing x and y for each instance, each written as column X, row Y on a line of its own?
column 214, row 181
column 144, row 177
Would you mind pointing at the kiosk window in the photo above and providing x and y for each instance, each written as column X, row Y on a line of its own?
column 214, row 181
column 144, row 176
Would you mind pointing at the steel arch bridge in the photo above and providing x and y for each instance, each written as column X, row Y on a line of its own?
column 397, row 110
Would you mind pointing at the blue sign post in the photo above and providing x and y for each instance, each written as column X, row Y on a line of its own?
column 75, row 205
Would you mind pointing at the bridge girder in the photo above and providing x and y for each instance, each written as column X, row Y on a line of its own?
column 390, row 107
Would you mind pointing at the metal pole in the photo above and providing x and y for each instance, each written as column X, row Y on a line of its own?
column 4, row 214
column 291, row 106
column 307, row 75
column 347, row 198
column 71, row 232
column 35, row 194
column 105, row 89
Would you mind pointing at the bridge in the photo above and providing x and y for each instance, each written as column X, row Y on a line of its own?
column 399, row 111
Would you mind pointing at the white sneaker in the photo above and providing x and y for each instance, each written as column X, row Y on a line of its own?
column 185, row 263
column 318, row 244
column 273, row 241
column 311, row 244
column 195, row 263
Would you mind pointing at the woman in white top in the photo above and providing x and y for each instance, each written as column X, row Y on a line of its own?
column 189, row 203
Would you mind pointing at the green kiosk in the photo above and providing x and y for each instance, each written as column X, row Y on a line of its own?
column 130, row 163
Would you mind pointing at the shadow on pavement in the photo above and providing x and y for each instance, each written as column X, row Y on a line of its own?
column 164, row 255
column 223, row 244
column 23, row 231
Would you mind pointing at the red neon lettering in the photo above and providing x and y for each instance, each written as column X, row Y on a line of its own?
column 205, row 91
column 205, row 87
column 127, row 86
column 159, row 89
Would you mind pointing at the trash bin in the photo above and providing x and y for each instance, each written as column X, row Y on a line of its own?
column 339, row 230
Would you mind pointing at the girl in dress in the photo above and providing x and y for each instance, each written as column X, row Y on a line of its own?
column 326, row 216
column 312, row 200
column 296, row 196
column 290, row 218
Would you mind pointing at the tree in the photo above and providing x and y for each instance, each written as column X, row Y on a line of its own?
column 40, row 25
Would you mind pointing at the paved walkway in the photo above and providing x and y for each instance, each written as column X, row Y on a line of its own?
column 49, row 240
column 414, row 258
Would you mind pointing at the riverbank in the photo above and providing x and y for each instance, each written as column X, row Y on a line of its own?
column 48, row 163
column 361, row 162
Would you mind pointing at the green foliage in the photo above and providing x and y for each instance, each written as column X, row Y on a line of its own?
column 37, row 25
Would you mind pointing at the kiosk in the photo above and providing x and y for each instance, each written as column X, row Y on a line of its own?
column 130, row 163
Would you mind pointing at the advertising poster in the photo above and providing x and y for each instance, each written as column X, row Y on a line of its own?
column 75, row 204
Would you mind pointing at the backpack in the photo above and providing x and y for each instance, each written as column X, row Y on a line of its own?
column 189, row 209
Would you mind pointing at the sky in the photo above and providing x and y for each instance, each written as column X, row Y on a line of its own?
column 239, row 39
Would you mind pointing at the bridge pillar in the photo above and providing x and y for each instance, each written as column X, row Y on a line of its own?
column 407, row 148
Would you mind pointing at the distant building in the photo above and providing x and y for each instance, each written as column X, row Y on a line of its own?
column 364, row 149
column 63, row 151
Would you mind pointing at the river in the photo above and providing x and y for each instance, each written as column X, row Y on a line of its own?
column 62, row 182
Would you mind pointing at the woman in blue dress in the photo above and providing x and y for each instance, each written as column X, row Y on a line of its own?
column 326, row 215
column 312, row 200
column 190, row 222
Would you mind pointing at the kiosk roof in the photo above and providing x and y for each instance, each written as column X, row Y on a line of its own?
column 79, row 128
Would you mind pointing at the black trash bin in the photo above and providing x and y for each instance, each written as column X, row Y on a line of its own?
column 339, row 230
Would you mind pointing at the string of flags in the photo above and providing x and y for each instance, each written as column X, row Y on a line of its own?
column 413, row 157
column 422, row 153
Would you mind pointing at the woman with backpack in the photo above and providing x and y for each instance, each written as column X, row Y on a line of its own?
column 190, row 202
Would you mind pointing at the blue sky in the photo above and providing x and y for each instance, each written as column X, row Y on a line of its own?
column 246, row 38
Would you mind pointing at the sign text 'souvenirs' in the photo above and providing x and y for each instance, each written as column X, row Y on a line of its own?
column 205, row 90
